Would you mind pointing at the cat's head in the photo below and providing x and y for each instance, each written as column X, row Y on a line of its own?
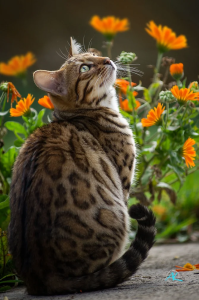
column 84, row 80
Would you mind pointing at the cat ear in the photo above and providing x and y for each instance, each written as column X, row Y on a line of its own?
column 50, row 81
column 75, row 48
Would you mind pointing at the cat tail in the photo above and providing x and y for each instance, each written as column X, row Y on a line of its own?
column 126, row 265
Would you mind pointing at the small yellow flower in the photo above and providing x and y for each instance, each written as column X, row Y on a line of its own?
column 166, row 38
column 154, row 116
column 22, row 107
column 109, row 26
column 188, row 152
column 184, row 94
column 17, row 65
column 176, row 71
column 45, row 102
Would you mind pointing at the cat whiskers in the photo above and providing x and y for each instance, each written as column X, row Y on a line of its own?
column 62, row 55
column 89, row 44
column 125, row 69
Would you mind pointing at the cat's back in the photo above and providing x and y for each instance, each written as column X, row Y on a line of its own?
column 67, row 199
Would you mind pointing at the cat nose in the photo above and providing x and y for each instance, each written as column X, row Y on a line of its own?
column 107, row 61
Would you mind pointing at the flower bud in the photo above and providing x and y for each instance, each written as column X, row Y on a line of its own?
column 176, row 71
column 167, row 96
column 4, row 86
column 127, row 57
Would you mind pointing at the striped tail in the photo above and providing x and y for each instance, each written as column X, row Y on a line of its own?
column 118, row 271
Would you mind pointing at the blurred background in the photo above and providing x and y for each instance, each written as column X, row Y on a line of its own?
column 44, row 28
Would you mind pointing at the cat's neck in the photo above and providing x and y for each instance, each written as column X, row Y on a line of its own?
column 111, row 100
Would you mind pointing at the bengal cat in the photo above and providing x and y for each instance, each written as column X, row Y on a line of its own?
column 70, row 185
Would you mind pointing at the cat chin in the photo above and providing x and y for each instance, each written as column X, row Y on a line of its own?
column 112, row 77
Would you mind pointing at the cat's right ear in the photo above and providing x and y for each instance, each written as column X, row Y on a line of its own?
column 75, row 48
column 51, row 82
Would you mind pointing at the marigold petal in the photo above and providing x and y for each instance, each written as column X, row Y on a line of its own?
column 188, row 152
column 165, row 37
column 22, row 106
column 109, row 25
column 153, row 116
column 45, row 102
column 17, row 64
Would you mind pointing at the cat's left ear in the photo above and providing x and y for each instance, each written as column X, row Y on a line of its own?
column 51, row 81
column 75, row 48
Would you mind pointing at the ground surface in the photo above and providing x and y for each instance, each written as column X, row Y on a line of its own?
column 148, row 283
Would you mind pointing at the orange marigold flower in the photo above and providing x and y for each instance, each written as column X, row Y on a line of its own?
column 109, row 26
column 123, row 84
column 184, row 94
column 166, row 38
column 46, row 102
column 188, row 152
column 187, row 267
column 17, row 65
column 176, row 71
column 22, row 107
column 154, row 116
column 124, row 104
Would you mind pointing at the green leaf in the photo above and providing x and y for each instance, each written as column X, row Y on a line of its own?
column 126, row 115
column 39, row 121
column 174, row 158
column 12, row 281
column 147, row 96
column 174, row 228
column 18, row 143
column 184, row 83
column 173, row 128
column 153, row 88
column 6, row 276
column 3, row 113
column 178, row 171
column 4, row 258
column 15, row 126
column 4, row 201
column 147, row 175
column 5, row 288
column 164, row 185
column 139, row 87
column 169, row 190
column 7, row 160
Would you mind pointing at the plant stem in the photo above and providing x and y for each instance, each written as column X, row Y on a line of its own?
column 3, row 109
column 157, row 68
column 146, row 165
column 175, row 113
column 133, row 104
column 175, row 180
column 109, row 47
column 185, row 111
column 167, row 115
column 151, row 138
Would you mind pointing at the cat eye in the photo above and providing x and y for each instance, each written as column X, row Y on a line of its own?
column 84, row 68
